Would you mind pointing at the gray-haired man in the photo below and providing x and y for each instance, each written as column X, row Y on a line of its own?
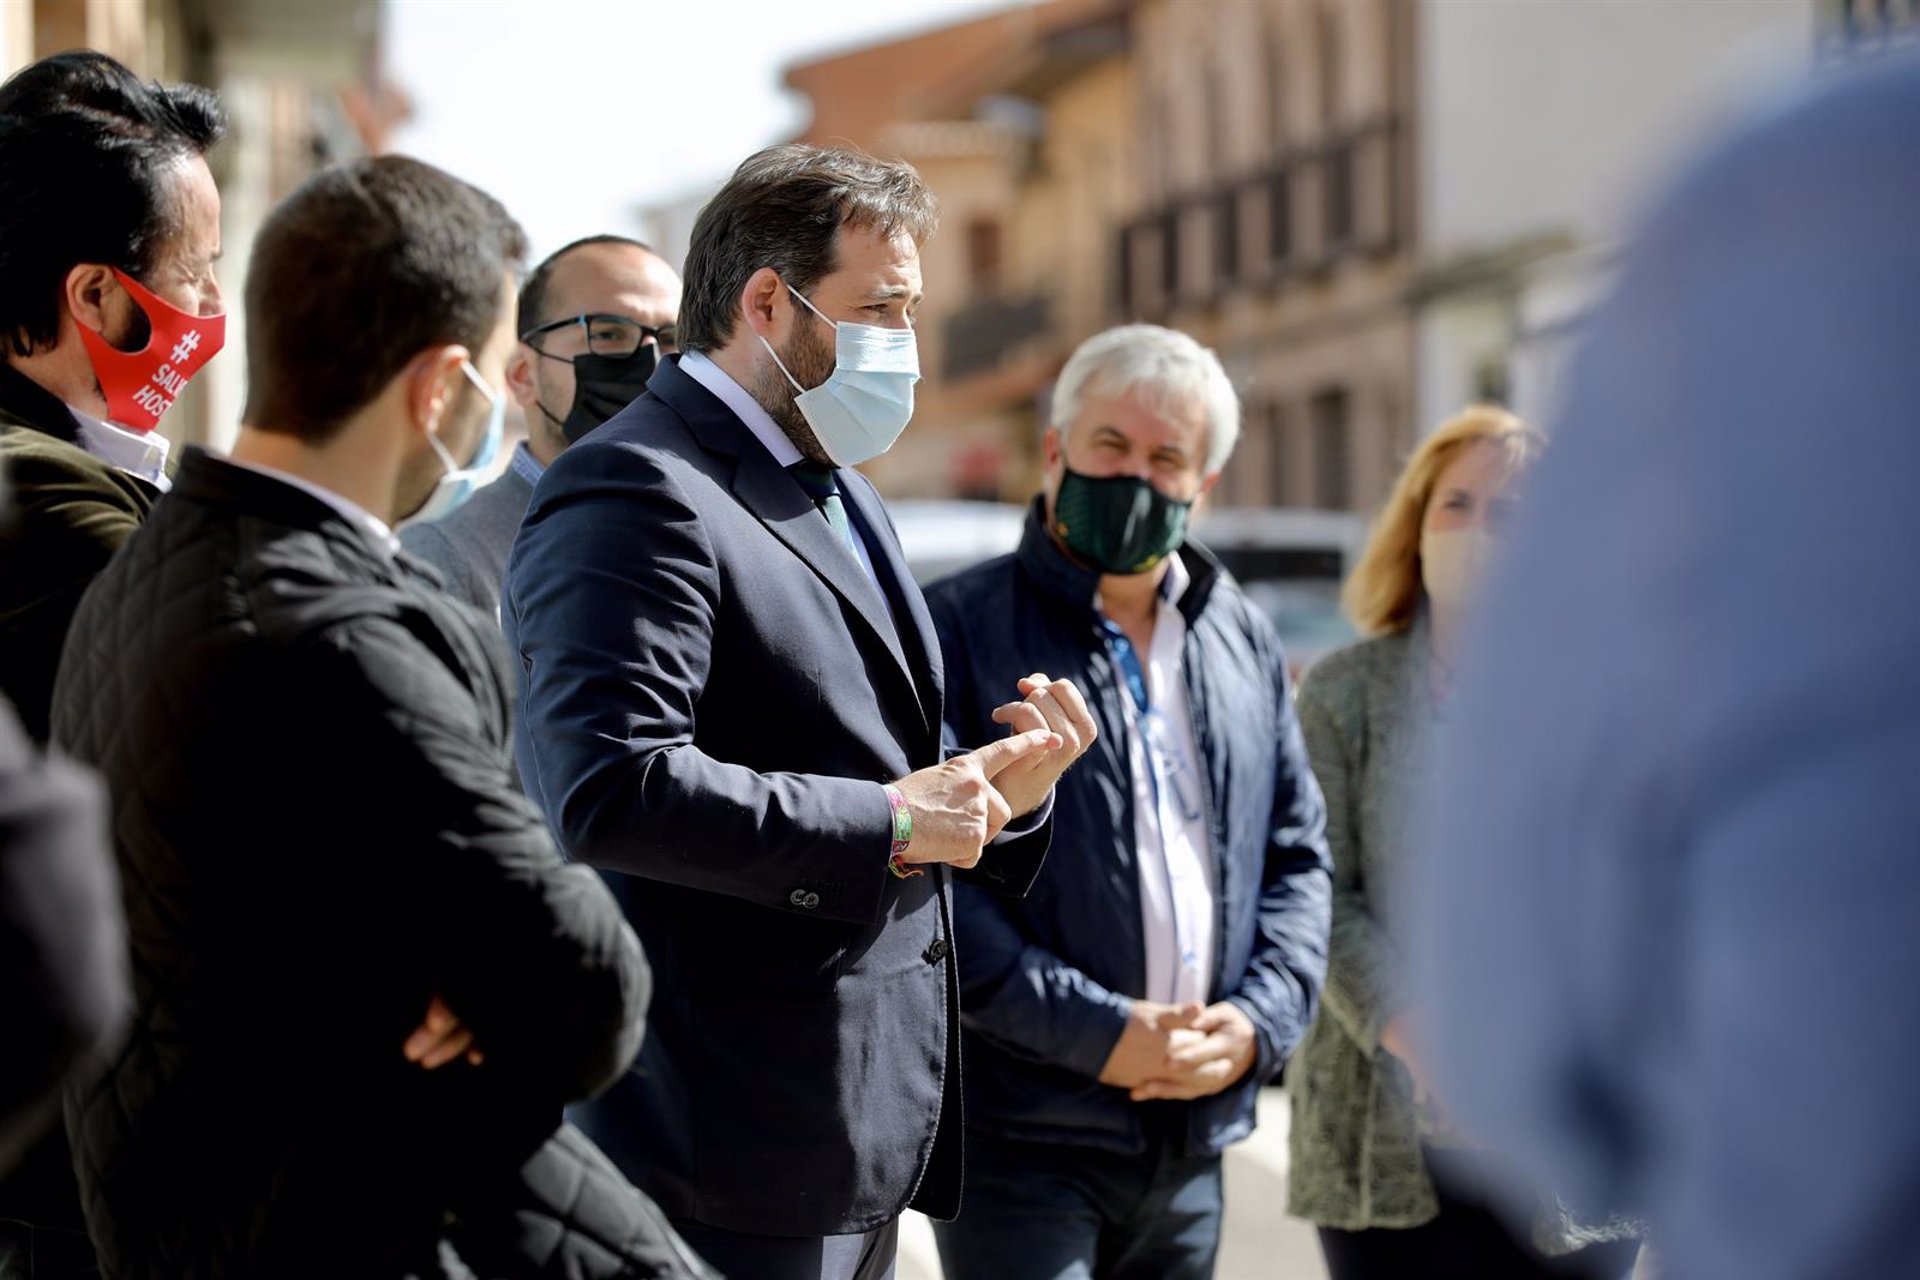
column 1122, row 1016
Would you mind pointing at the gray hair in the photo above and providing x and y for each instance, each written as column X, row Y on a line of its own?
column 1167, row 368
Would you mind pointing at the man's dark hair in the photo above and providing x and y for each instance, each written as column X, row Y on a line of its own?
column 783, row 208
column 533, row 291
column 364, row 267
column 87, row 150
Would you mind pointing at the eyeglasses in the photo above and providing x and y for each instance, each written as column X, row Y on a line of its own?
column 602, row 335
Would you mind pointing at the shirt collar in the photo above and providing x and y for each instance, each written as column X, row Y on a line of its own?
column 1177, row 580
column 142, row 454
column 352, row 511
column 525, row 465
column 751, row 412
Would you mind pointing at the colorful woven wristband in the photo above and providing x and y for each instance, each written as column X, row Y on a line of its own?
column 902, row 834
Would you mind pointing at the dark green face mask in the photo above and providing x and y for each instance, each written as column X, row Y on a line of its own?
column 1118, row 524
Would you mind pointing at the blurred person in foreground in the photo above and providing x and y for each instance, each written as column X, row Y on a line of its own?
column 1373, row 1162
column 315, row 817
column 594, row 319
column 1122, row 1017
column 63, row 979
column 109, row 227
column 1671, row 885
column 63, row 966
column 732, row 698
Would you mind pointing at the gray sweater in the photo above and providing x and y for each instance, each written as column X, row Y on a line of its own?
column 470, row 546
column 1357, row 1161
column 1355, row 1143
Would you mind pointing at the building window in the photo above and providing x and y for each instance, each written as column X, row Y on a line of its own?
column 1854, row 28
column 1160, row 143
column 1217, row 123
column 1337, row 179
column 1226, row 236
column 1276, row 94
column 983, row 256
column 1330, row 412
column 1170, row 255
column 1331, row 94
column 1278, row 486
column 1279, row 217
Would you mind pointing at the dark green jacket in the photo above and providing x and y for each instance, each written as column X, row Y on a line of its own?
column 65, row 514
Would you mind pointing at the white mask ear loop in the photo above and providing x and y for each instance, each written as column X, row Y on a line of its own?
column 797, row 388
column 808, row 304
column 791, row 380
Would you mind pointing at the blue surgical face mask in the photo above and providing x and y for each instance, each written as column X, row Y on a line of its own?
column 864, row 405
column 460, row 483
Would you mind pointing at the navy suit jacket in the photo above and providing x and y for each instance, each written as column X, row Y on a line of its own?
column 714, row 692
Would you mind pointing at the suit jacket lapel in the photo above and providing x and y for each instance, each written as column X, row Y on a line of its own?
column 780, row 503
column 777, row 499
column 921, row 643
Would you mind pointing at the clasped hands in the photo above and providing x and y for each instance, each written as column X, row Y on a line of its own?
column 959, row 806
column 1181, row 1051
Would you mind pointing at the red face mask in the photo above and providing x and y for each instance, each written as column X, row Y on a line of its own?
column 140, row 386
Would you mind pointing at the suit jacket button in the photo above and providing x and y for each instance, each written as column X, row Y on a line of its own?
column 804, row 899
column 937, row 951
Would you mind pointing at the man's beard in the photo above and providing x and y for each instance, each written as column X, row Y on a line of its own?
column 810, row 359
column 131, row 332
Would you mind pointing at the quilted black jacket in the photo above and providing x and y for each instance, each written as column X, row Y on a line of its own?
column 306, row 747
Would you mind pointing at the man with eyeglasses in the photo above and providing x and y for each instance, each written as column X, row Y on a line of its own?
column 594, row 320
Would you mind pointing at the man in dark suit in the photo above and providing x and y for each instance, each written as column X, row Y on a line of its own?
column 732, row 694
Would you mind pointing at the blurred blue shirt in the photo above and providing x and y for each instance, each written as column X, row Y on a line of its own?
column 1672, row 898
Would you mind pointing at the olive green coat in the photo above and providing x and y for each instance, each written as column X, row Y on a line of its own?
column 63, row 513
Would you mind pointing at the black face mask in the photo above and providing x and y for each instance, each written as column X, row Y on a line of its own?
column 1118, row 524
column 603, row 386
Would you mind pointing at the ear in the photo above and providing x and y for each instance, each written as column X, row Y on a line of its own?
column 520, row 383
column 432, row 379
column 1054, row 472
column 1206, row 485
column 86, row 290
column 764, row 303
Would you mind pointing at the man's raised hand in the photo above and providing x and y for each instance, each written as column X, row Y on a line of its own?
column 957, row 807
